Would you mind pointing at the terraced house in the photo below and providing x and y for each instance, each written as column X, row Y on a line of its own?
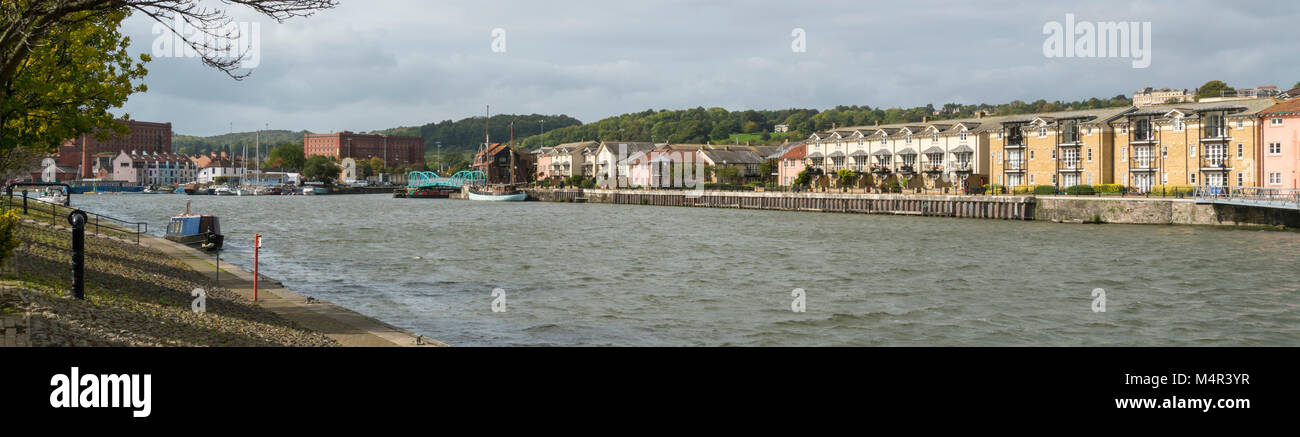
column 942, row 156
column 1188, row 144
column 1281, row 126
column 1061, row 149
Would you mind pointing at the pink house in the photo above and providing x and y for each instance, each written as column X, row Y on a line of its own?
column 791, row 164
column 1281, row 140
column 544, row 158
column 668, row 166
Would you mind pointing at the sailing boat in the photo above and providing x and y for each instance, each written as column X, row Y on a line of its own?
column 497, row 192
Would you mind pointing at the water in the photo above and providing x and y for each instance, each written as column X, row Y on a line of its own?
column 578, row 274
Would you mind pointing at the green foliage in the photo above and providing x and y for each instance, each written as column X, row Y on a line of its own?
column 803, row 179
column 767, row 168
column 221, row 180
column 845, row 177
column 1297, row 85
column 728, row 174
column 8, row 240
column 1214, row 88
column 466, row 135
column 1171, row 190
column 234, row 143
column 1110, row 189
column 1080, row 190
column 68, row 82
column 286, row 155
column 1044, row 190
column 320, row 169
column 573, row 180
column 994, row 189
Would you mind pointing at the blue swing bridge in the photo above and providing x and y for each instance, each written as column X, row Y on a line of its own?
column 428, row 179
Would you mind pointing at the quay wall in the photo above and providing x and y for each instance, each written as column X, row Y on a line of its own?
column 1065, row 209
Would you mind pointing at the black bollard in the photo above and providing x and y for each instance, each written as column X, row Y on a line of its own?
column 78, row 221
column 24, row 202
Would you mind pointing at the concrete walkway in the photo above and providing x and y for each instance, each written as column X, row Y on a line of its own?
column 349, row 327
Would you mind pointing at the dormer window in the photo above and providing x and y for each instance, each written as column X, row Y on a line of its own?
column 963, row 134
column 934, row 138
column 1042, row 132
column 884, row 139
column 1179, row 124
column 908, row 139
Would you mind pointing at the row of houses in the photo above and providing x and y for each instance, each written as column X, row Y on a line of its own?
column 145, row 167
column 644, row 164
column 1244, row 143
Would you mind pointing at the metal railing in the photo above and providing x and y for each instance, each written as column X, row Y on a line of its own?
column 101, row 224
column 1284, row 198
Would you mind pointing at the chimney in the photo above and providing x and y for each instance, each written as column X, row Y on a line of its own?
column 877, row 122
column 925, row 119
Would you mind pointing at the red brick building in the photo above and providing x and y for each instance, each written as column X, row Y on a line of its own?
column 79, row 153
column 394, row 150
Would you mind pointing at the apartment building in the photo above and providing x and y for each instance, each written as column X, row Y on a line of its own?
column 941, row 156
column 1214, row 144
column 1062, row 149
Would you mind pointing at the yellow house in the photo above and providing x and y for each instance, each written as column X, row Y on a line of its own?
column 1190, row 144
column 1061, row 149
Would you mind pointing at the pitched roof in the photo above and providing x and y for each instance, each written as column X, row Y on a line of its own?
column 1287, row 107
column 796, row 152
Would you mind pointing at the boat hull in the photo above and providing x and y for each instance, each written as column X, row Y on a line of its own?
column 431, row 193
column 515, row 197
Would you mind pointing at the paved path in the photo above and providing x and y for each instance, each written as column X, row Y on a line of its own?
column 349, row 327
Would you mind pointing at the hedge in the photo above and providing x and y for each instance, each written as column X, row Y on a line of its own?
column 1171, row 190
column 1080, row 190
column 1044, row 190
column 1109, row 188
column 994, row 189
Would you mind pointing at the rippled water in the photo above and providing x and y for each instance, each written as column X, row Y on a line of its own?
column 577, row 274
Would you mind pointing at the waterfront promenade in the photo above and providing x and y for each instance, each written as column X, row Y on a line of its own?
column 139, row 294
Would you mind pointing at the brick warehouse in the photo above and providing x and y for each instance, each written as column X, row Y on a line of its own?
column 143, row 136
column 394, row 150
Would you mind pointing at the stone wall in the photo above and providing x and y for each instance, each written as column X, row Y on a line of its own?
column 1158, row 211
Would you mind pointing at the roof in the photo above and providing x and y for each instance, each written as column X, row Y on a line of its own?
column 1287, row 107
column 796, row 152
column 732, row 155
column 1235, row 108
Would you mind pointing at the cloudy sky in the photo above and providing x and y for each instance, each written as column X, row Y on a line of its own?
column 373, row 64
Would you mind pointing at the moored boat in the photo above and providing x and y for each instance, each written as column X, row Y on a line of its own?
column 431, row 192
column 497, row 194
column 199, row 230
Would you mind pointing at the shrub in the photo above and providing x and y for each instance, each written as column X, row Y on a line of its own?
column 8, row 240
column 1171, row 190
column 895, row 187
column 1110, row 188
column 994, row 189
column 1045, row 190
column 1080, row 190
column 588, row 184
column 1021, row 189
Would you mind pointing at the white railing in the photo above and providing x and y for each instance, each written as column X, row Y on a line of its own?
column 1287, row 198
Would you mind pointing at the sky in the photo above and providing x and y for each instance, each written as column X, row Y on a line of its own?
column 375, row 64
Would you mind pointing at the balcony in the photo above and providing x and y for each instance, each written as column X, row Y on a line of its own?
column 933, row 168
column 1143, row 137
column 1143, row 165
column 1014, row 143
column 1016, row 166
column 1216, row 164
column 880, row 169
column 960, row 167
column 1070, row 167
column 1215, row 134
column 906, row 169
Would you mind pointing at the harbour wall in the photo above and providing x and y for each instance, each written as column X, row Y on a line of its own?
column 1065, row 209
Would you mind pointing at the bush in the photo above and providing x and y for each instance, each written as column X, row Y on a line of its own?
column 1080, row 190
column 895, row 187
column 994, row 189
column 1171, row 190
column 1021, row 189
column 588, row 184
column 1045, row 190
column 1111, row 189
column 8, row 240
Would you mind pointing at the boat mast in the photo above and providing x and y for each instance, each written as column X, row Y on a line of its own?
column 511, row 150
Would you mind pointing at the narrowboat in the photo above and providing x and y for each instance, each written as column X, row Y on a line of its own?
column 199, row 230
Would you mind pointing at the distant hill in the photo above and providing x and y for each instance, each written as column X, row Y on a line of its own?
column 456, row 136
column 233, row 143
column 695, row 125
column 717, row 125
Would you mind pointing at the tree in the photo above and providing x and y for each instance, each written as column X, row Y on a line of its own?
column 1214, row 88
column 320, row 169
column 287, row 156
column 767, row 168
column 63, row 63
column 803, row 179
column 67, row 85
column 8, row 240
column 378, row 165
column 1297, row 85
column 845, row 177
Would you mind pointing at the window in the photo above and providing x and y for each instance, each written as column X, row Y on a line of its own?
column 1053, row 153
column 1164, row 178
column 908, row 139
column 1124, row 129
column 1123, row 179
column 1053, row 178
column 1192, row 148
column 1179, row 125
column 963, row 135
column 1042, row 132
column 1193, row 176
column 1031, row 179
column 1089, row 179
column 1164, row 151
column 1240, row 123
column 1241, row 150
column 1089, row 154
column 1031, row 155
column 1276, row 122
column 1275, row 178
column 1274, row 148
column 934, row 138
column 1123, row 154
